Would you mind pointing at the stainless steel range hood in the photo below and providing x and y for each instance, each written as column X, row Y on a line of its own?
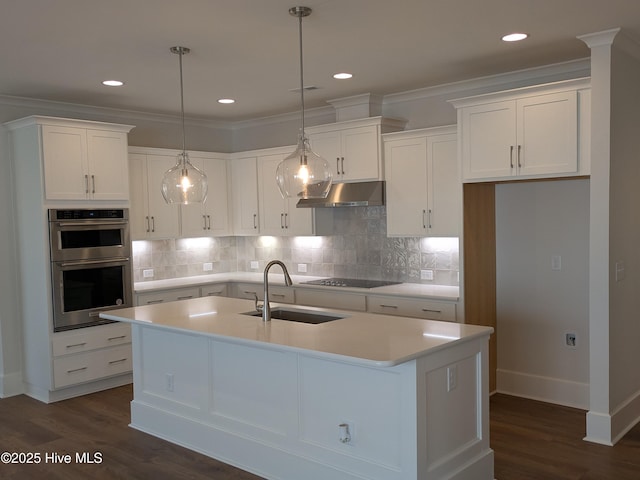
column 361, row 194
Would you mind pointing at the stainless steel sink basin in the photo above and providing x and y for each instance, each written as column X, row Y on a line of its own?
column 294, row 315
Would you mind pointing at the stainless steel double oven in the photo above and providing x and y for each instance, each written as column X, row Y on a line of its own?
column 90, row 265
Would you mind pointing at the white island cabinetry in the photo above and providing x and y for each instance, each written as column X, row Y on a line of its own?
column 292, row 400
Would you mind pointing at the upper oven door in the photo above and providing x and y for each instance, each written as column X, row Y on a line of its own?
column 86, row 240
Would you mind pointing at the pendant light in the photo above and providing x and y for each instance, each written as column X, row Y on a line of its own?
column 183, row 183
column 304, row 173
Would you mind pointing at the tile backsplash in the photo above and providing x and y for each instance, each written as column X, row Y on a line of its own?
column 361, row 250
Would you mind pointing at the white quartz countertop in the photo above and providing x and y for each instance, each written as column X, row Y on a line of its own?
column 440, row 292
column 359, row 337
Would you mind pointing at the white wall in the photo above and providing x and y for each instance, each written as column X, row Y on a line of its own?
column 537, row 305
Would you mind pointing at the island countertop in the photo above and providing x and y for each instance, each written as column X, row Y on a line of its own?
column 359, row 338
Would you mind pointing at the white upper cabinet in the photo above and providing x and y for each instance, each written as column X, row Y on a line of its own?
column 423, row 188
column 278, row 215
column 353, row 148
column 84, row 163
column 244, row 195
column 532, row 132
column 210, row 218
column 149, row 215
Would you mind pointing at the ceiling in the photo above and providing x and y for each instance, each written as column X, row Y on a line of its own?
column 248, row 49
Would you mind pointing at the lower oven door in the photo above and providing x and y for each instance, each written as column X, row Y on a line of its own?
column 81, row 290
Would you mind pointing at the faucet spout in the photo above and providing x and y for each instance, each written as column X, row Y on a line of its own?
column 266, row 308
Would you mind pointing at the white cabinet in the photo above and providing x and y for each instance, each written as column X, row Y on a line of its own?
column 277, row 293
column 331, row 298
column 170, row 295
column 412, row 307
column 353, row 148
column 525, row 133
column 85, row 163
column 278, row 215
column 214, row 290
column 210, row 218
column 149, row 215
column 423, row 190
column 89, row 354
column 244, row 195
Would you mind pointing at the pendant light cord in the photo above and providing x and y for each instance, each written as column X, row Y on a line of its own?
column 184, row 143
column 300, row 15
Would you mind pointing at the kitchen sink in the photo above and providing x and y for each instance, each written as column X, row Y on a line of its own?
column 293, row 315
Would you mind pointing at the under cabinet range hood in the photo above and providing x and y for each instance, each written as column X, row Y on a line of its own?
column 360, row 194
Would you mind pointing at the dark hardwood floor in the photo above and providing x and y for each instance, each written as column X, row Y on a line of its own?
column 531, row 440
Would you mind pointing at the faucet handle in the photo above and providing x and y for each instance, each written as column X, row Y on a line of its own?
column 258, row 307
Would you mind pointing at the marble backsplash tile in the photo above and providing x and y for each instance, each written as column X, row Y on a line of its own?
column 360, row 250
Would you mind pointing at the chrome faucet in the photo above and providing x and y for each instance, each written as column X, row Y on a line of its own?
column 266, row 308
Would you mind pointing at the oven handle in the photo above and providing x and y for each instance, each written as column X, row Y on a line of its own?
column 94, row 262
column 91, row 223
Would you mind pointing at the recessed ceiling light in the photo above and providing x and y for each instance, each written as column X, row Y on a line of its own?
column 226, row 100
column 113, row 83
column 514, row 37
column 342, row 76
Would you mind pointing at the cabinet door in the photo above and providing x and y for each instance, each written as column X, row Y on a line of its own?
column 244, row 184
column 107, row 158
column 329, row 146
column 163, row 218
column 360, row 151
column 139, row 196
column 488, row 140
column 66, row 174
column 406, row 188
column 444, row 188
column 548, row 134
column 271, row 204
column 210, row 218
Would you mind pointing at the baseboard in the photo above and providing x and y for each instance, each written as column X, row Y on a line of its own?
column 11, row 385
column 545, row 389
column 50, row 396
column 608, row 429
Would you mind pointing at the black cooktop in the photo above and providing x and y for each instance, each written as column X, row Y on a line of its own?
column 351, row 282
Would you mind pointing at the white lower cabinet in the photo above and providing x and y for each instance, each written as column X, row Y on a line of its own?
column 277, row 293
column 412, row 307
column 171, row 295
column 90, row 354
column 329, row 298
column 214, row 290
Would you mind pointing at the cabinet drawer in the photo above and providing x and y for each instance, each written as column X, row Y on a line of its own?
column 412, row 307
column 215, row 290
column 90, row 338
column 331, row 299
column 276, row 293
column 85, row 367
column 167, row 295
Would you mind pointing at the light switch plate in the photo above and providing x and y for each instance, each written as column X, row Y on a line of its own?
column 302, row 267
column 426, row 274
column 207, row 266
column 254, row 265
column 147, row 273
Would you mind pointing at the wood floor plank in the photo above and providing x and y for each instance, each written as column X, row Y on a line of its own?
column 531, row 440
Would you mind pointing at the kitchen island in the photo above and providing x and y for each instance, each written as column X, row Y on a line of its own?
column 363, row 397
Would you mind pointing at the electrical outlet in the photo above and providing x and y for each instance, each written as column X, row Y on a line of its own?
column 207, row 266
column 556, row 262
column 147, row 273
column 571, row 340
column 452, row 377
column 302, row 267
column 619, row 271
column 426, row 274
column 169, row 379
column 254, row 265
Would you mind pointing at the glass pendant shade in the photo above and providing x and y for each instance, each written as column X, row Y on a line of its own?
column 183, row 183
column 304, row 173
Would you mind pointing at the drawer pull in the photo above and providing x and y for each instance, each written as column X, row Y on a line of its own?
column 77, row 345
column 431, row 311
column 388, row 306
column 185, row 297
column 151, row 302
column 247, row 292
column 278, row 295
column 213, row 294
column 113, row 362
column 76, row 370
column 116, row 338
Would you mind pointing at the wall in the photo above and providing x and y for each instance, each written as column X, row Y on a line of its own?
column 537, row 304
column 358, row 249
